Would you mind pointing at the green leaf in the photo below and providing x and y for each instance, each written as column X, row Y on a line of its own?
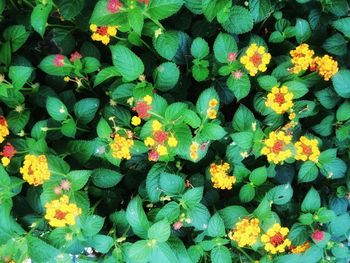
column 246, row 193
column 135, row 18
column 86, row 109
column 16, row 35
column 102, row 243
column 171, row 184
column 162, row 253
column 70, row 8
column 276, row 37
column 343, row 25
column 17, row 120
column 101, row 17
column 167, row 44
column 199, row 48
column 175, row 111
column 140, row 251
column 56, row 109
column 78, row 178
column 308, row 172
column 90, row 64
column 325, row 215
column 281, row 194
column 161, row 9
column 302, row 30
column 258, row 176
column 335, row 45
column 193, row 196
column 311, row 202
column 160, row 231
column 105, row 74
column 69, row 128
column 213, row 131
column 128, row 64
column 341, row 83
column 267, row 82
column 240, row 87
column 103, row 129
column 220, row 254
column 200, row 73
column 166, row 76
column 240, row 21
column 297, row 88
column 48, row 66
column 260, row 9
column 243, row 119
column 340, row 225
column 137, row 217
column 105, row 178
column 19, row 75
column 170, row 211
column 40, row 251
column 343, row 112
column 91, row 224
column 216, row 227
column 39, row 17
column 223, row 45
column 199, row 216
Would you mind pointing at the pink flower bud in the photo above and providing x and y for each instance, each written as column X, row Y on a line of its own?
column 317, row 235
column 177, row 225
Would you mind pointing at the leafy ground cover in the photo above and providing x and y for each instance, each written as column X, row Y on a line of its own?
column 174, row 131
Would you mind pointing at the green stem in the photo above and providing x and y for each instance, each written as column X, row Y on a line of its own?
column 154, row 21
column 28, row 3
column 156, row 115
column 245, row 253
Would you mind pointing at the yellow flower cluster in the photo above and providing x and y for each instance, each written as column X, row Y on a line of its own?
column 121, row 147
column 4, row 129
column 194, row 151
column 255, row 59
column 35, row 169
column 220, row 177
column 158, row 140
column 211, row 112
column 246, row 232
column 275, row 239
column 103, row 33
column 301, row 248
column 60, row 212
column 280, row 100
column 307, row 149
column 302, row 58
column 277, row 147
column 136, row 121
column 326, row 66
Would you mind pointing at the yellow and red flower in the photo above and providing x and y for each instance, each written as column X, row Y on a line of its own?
column 277, row 147
column 103, row 33
column 8, row 152
column 220, row 177
column 246, row 232
column 61, row 212
column 302, row 58
column 35, row 169
column 121, row 146
column 194, row 151
column 4, row 129
column 255, row 59
column 307, row 149
column 326, row 66
column 275, row 239
column 280, row 100
column 143, row 107
column 301, row 248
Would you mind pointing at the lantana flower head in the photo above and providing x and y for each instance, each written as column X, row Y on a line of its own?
column 276, row 240
column 307, row 149
column 121, row 147
column 103, row 33
column 255, row 59
column 245, row 232
column 4, row 129
column 280, row 100
column 302, row 57
column 220, row 177
column 35, row 169
column 277, row 147
column 326, row 66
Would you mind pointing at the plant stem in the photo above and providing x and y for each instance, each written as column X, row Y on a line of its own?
column 245, row 253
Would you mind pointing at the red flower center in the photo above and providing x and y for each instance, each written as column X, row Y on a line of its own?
column 102, row 30
column 307, row 150
column 9, row 151
column 2, row 121
column 153, row 155
column 60, row 215
column 160, row 136
column 142, row 109
column 279, row 98
column 278, row 146
column 256, row 59
column 277, row 240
